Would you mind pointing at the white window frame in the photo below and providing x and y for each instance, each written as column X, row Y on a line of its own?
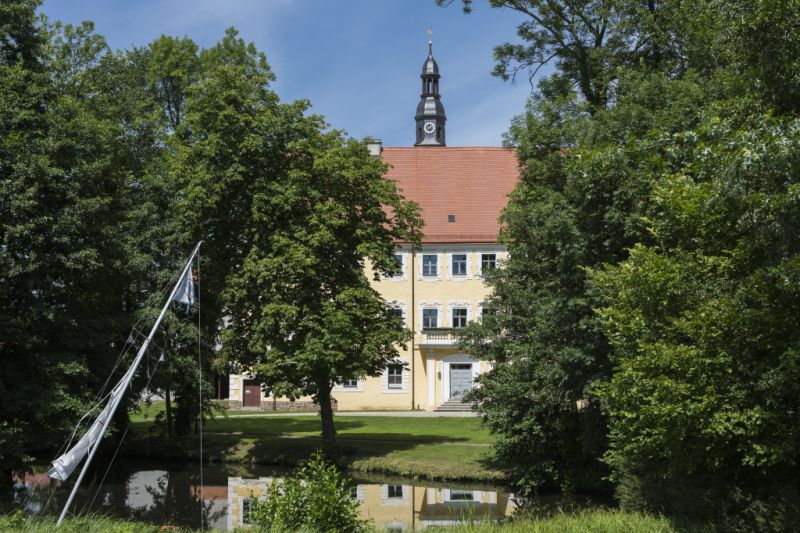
column 487, row 252
column 242, row 501
column 458, row 305
column 459, row 277
column 477, row 495
column 439, row 265
column 429, row 310
column 390, row 375
column 405, row 384
column 453, row 317
column 430, row 305
column 386, row 500
column 425, row 258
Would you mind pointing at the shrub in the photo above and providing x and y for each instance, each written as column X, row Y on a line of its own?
column 315, row 498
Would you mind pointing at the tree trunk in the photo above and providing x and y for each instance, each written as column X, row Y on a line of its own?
column 326, row 413
column 168, row 411
column 6, row 481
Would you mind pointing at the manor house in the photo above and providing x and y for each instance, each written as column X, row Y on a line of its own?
column 439, row 287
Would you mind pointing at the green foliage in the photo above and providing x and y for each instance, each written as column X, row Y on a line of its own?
column 702, row 326
column 589, row 43
column 62, row 207
column 315, row 498
column 580, row 204
column 669, row 211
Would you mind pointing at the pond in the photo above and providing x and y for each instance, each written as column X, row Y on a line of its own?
column 166, row 493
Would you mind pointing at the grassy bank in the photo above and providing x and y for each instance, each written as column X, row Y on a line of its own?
column 78, row 525
column 437, row 448
column 605, row 521
column 581, row 522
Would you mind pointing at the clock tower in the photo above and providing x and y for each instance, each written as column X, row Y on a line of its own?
column 430, row 111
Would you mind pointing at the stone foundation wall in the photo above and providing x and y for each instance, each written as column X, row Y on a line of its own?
column 287, row 405
column 283, row 405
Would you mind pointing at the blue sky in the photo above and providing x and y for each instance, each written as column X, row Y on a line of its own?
column 357, row 61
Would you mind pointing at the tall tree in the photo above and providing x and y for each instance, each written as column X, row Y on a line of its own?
column 304, row 314
column 671, row 213
column 289, row 213
column 704, row 395
column 61, row 207
column 580, row 203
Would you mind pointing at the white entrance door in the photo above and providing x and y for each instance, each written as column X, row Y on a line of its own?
column 460, row 379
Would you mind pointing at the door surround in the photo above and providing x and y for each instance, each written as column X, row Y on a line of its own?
column 456, row 358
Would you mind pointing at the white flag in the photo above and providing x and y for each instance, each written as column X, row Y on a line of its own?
column 185, row 294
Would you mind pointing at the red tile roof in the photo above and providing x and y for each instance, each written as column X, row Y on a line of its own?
column 471, row 183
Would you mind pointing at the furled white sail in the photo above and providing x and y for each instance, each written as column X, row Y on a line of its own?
column 64, row 465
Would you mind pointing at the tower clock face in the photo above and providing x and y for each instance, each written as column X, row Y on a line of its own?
column 429, row 127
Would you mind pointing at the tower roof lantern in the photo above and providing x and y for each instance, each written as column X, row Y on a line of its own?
column 430, row 68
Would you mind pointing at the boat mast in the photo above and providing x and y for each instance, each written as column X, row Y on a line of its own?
column 125, row 381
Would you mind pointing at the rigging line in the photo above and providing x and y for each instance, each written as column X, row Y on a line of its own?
column 200, row 390
column 71, row 437
column 49, row 498
column 139, row 334
column 120, row 357
column 127, row 346
column 108, row 469
column 119, row 446
column 100, row 397
column 91, row 409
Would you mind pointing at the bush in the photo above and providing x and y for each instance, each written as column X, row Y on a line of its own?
column 315, row 498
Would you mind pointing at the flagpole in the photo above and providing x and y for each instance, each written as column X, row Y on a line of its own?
column 125, row 382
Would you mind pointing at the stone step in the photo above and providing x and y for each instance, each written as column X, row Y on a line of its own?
column 454, row 406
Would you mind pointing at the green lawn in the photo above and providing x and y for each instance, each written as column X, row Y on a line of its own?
column 442, row 448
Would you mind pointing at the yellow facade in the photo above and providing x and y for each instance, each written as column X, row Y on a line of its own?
column 434, row 370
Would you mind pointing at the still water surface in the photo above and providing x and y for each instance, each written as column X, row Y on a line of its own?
column 168, row 494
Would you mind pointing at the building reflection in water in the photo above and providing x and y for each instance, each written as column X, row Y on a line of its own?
column 171, row 497
column 392, row 507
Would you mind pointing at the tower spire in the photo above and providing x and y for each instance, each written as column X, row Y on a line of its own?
column 430, row 117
